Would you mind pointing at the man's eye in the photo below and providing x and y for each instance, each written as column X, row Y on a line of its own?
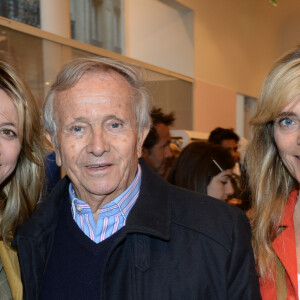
column 77, row 128
column 116, row 125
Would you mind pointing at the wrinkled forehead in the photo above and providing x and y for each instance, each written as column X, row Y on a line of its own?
column 109, row 77
column 98, row 86
column 95, row 97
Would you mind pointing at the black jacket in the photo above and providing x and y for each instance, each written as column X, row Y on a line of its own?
column 176, row 245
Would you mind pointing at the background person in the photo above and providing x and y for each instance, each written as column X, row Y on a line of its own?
column 156, row 147
column 274, row 176
column 228, row 139
column 21, row 171
column 204, row 168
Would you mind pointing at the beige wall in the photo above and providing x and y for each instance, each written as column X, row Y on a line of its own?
column 213, row 106
column 159, row 34
column 235, row 44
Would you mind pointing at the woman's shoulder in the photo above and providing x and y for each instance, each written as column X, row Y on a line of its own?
column 10, row 276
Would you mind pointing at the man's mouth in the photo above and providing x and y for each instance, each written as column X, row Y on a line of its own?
column 98, row 166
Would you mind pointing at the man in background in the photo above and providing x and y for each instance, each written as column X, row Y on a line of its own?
column 228, row 139
column 156, row 148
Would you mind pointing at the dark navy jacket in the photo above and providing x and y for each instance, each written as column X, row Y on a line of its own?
column 176, row 245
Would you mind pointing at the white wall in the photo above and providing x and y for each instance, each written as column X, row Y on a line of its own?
column 159, row 34
column 55, row 17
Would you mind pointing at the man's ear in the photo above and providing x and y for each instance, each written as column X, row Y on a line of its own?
column 143, row 134
column 49, row 137
column 145, row 153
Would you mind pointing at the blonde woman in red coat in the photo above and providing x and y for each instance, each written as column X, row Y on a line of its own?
column 273, row 165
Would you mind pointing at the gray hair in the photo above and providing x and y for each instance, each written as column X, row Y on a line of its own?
column 73, row 71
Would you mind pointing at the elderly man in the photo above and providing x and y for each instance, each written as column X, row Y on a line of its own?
column 112, row 229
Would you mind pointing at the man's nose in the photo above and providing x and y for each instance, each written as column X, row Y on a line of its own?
column 168, row 152
column 97, row 144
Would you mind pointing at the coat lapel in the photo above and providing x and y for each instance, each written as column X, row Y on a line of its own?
column 284, row 244
column 152, row 211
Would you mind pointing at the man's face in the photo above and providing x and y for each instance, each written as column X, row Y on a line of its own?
column 233, row 147
column 98, row 143
column 157, row 157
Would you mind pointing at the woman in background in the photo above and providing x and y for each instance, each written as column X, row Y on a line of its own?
column 21, row 171
column 204, row 168
column 273, row 165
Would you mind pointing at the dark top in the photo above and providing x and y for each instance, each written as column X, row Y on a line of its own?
column 75, row 261
column 176, row 245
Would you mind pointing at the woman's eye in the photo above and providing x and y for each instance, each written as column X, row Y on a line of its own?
column 286, row 122
column 8, row 132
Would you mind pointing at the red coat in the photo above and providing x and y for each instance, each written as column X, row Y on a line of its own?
column 285, row 248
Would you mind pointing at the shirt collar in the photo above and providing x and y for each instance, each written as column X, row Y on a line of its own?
column 121, row 203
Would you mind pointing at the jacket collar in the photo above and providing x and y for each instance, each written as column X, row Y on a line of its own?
column 151, row 213
column 46, row 214
column 284, row 244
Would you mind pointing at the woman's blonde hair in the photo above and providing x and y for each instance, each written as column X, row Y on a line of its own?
column 20, row 192
column 269, row 181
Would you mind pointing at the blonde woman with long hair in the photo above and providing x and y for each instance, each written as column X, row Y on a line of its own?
column 273, row 165
column 21, row 171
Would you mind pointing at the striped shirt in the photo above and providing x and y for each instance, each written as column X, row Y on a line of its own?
column 112, row 216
